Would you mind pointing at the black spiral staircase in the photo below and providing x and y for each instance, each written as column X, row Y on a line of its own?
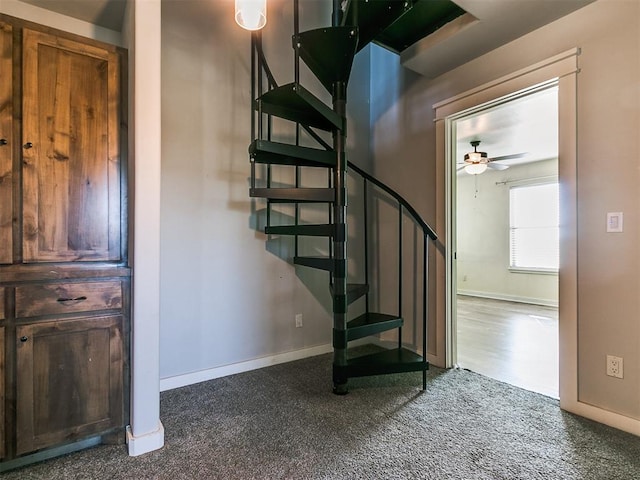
column 329, row 54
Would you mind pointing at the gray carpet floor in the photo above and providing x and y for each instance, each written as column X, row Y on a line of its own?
column 283, row 422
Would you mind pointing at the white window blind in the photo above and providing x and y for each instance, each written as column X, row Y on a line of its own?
column 534, row 219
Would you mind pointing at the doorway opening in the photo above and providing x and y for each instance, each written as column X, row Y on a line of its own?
column 505, row 219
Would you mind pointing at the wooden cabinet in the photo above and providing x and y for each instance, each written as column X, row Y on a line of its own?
column 64, row 277
column 72, row 297
column 69, row 380
column 6, row 144
column 71, row 168
column 2, row 396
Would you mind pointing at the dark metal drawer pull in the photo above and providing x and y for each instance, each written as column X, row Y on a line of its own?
column 77, row 299
column 24, row 339
column 3, row 141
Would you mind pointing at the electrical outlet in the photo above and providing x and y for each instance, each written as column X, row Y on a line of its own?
column 614, row 366
column 298, row 320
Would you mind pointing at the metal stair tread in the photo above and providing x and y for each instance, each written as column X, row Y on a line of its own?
column 354, row 291
column 396, row 25
column 311, row 230
column 265, row 151
column 328, row 52
column 370, row 324
column 395, row 360
column 320, row 195
column 372, row 17
column 423, row 19
column 295, row 103
column 321, row 263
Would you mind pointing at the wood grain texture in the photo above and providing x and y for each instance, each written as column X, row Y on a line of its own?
column 71, row 174
column 2, row 396
column 69, row 381
column 2, row 301
column 6, row 133
column 72, row 271
column 60, row 298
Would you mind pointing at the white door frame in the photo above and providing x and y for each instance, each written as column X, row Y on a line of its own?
column 451, row 205
column 563, row 69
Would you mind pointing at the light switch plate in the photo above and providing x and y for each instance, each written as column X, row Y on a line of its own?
column 614, row 222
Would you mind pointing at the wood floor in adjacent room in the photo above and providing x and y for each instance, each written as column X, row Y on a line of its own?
column 516, row 343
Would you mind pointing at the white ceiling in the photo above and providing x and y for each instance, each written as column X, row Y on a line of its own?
column 526, row 125
column 487, row 25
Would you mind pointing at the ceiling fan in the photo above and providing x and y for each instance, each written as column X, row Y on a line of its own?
column 477, row 162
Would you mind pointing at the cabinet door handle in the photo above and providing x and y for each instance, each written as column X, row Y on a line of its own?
column 77, row 299
column 24, row 338
column 28, row 145
column 3, row 141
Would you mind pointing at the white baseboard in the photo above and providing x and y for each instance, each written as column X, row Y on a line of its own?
column 178, row 381
column 615, row 420
column 145, row 443
column 509, row 298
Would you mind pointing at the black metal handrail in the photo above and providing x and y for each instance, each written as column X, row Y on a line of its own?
column 262, row 62
column 261, row 75
column 399, row 198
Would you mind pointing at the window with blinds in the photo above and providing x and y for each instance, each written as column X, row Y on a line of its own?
column 534, row 227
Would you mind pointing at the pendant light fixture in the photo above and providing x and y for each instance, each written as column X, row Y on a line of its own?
column 251, row 14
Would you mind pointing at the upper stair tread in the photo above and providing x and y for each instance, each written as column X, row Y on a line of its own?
column 372, row 17
column 311, row 230
column 424, row 18
column 396, row 25
column 275, row 153
column 320, row 195
column 328, row 52
column 293, row 102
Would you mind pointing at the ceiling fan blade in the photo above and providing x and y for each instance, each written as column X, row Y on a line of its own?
column 508, row 157
column 497, row 166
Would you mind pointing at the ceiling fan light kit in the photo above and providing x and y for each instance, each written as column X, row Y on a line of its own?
column 477, row 162
column 475, row 168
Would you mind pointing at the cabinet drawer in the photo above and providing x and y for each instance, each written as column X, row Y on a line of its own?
column 56, row 298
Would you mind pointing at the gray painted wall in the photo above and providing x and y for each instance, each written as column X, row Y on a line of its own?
column 228, row 293
column 483, row 237
column 608, row 175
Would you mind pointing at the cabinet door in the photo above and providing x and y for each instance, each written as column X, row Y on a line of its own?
column 69, row 380
column 2, row 419
column 6, row 144
column 71, row 158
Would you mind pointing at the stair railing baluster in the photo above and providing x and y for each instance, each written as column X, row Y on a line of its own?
column 296, row 75
column 366, row 240
column 254, row 62
column 425, row 304
column 330, row 208
column 261, row 63
column 336, row 18
column 296, row 32
column 400, row 241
